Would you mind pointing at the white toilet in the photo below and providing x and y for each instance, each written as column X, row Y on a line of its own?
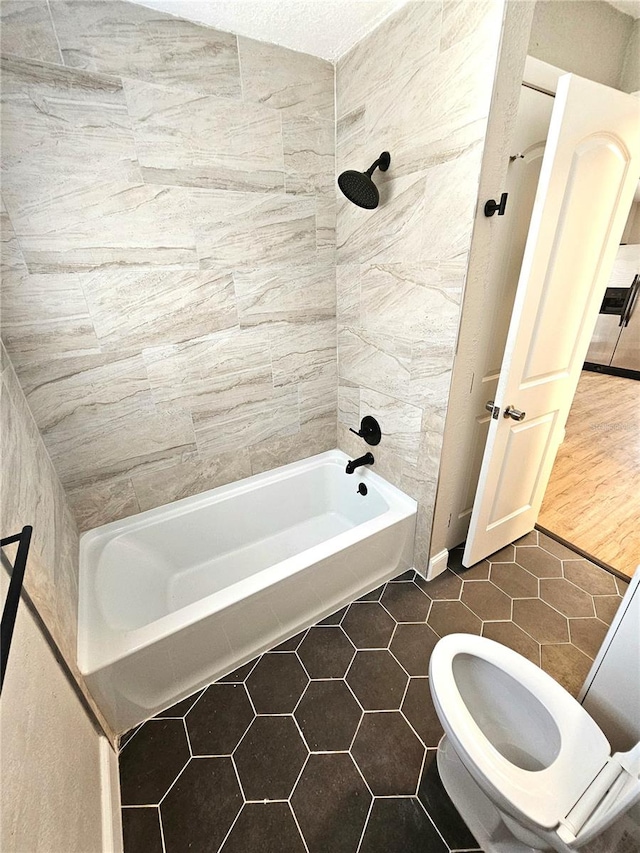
column 524, row 763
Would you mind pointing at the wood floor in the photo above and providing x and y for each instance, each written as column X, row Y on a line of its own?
column 593, row 497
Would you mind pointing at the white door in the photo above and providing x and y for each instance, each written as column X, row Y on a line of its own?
column 589, row 173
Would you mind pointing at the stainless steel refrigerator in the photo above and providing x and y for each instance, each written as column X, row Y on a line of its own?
column 615, row 345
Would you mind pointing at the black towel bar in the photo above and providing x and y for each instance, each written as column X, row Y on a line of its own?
column 10, row 609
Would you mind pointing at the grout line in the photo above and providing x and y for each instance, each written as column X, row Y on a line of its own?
column 237, row 772
column 164, row 845
column 295, row 819
column 421, row 739
column 55, row 34
column 366, row 821
column 186, row 732
column 299, row 776
column 253, row 707
column 434, row 824
column 233, row 823
column 163, row 797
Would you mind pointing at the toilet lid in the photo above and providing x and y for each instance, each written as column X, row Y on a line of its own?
column 544, row 796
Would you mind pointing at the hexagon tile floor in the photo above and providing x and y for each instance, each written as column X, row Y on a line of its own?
column 327, row 744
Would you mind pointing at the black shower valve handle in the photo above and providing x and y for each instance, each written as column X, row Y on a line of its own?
column 369, row 430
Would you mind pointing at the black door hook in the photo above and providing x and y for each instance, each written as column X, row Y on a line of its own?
column 492, row 206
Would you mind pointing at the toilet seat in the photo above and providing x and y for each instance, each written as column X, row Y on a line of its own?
column 544, row 797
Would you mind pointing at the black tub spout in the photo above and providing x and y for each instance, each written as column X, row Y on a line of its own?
column 352, row 464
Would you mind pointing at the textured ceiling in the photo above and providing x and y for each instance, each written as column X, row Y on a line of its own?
column 325, row 28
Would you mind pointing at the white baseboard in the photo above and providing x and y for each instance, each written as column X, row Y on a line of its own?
column 437, row 564
column 110, row 786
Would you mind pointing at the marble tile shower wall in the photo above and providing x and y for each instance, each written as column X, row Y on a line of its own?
column 169, row 210
column 420, row 87
column 31, row 493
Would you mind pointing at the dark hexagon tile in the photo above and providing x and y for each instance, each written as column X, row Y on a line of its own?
column 446, row 587
column 374, row 595
column 388, row 753
column 590, row 578
column 405, row 602
column 530, row 539
column 180, row 709
column 377, row 680
column 486, row 600
column 418, row 708
column 368, row 625
column 151, row 762
column 326, row 652
column 412, row 645
column 515, row 638
column 504, row 555
column 538, row 562
column 621, row 585
column 264, row 827
column 291, row 644
column 514, row 580
column 124, row 739
column 452, row 617
column 200, row 808
column 277, row 683
column 218, row 721
column 556, row 548
column 334, row 618
column 240, row 674
column 141, row 830
column 409, row 575
column 540, row 620
column 401, row 825
column 328, row 716
column 477, row 572
column 331, row 803
column 269, row 758
column 442, row 811
column 587, row 635
column 569, row 599
column 567, row 664
column 606, row 607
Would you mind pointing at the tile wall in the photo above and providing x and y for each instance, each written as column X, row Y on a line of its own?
column 420, row 87
column 169, row 222
column 31, row 493
column 177, row 268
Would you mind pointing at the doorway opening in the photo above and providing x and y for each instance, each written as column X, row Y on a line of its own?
column 616, row 417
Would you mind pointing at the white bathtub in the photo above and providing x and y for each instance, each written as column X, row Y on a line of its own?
column 176, row 597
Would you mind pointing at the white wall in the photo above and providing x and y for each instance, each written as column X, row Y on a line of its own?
column 478, row 294
column 630, row 77
column 50, row 753
column 588, row 38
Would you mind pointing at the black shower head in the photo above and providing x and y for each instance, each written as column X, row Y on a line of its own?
column 359, row 188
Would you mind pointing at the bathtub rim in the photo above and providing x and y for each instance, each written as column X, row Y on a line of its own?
column 117, row 645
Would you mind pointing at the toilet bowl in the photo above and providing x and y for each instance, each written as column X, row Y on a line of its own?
column 525, row 764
